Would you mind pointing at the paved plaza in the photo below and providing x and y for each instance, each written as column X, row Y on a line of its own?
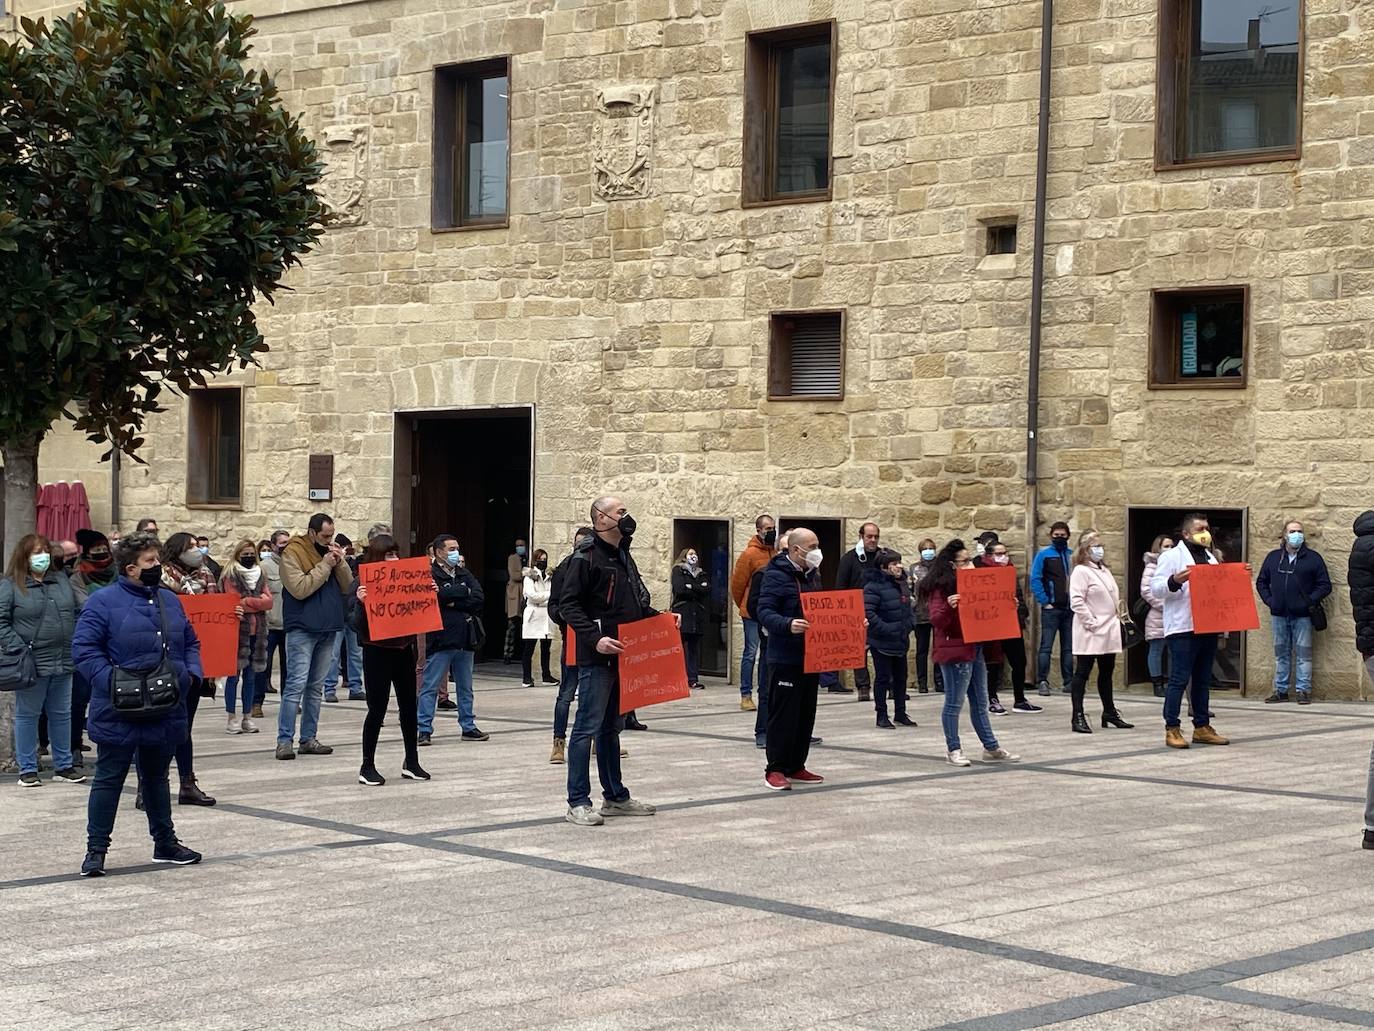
column 1104, row 882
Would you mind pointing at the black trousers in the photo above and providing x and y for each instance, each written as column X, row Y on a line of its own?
column 923, row 634
column 1078, row 687
column 382, row 668
column 889, row 678
column 527, row 658
column 186, row 759
column 791, row 717
column 1014, row 655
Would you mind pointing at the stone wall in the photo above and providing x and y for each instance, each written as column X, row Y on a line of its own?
column 640, row 327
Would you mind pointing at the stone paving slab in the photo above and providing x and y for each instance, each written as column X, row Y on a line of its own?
column 1105, row 882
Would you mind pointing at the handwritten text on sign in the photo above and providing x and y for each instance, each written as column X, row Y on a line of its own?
column 401, row 599
column 987, row 604
column 836, row 637
column 1222, row 598
column 652, row 666
column 217, row 628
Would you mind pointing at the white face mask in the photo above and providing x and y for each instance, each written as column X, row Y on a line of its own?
column 1097, row 552
column 691, row 560
column 814, row 557
column 1001, row 560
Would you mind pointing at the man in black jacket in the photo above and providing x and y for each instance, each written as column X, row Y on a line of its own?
column 791, row 690
column 601, row 590
column 854, row 567
column 453, row 647
column 1360, row 576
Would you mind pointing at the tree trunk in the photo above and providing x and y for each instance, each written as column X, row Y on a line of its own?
column 21, row 517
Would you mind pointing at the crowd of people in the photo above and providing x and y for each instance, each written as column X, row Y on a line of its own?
column 96, row 644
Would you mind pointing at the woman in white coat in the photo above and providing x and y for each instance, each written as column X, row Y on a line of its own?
column 1096, row 605
column 536, row 625
column 1154, row 619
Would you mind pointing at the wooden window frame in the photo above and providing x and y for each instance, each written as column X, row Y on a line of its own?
column 1175, row 19
column 991, row 231
column 202, row 444
column 451, row 83
column 776, row 345
column 760, row 153
column 1165, row 341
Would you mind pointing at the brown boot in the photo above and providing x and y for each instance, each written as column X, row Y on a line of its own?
column 190, row 793
column 1173, row 737
column 746, row 704
column 558, row 755
column 257, row 712
column 1207, row 736
column 865, row 694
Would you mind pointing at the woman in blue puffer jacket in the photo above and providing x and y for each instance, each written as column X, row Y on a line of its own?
column 887, row 604
column 123, row 627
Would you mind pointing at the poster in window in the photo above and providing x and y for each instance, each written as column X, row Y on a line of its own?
column 1189, row 348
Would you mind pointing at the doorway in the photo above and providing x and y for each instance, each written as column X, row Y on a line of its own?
column 469, row 473
column 1230, row 535
column 830, row 533
column 711, row 540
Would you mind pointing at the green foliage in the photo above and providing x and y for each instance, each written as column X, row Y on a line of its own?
column 152, row 189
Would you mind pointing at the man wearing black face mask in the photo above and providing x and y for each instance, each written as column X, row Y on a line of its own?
column 756, row 554
column 600, row 592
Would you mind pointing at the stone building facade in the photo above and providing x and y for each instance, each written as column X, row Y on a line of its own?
column 632, row 318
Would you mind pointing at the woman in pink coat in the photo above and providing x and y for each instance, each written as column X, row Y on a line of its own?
column 1096, row 605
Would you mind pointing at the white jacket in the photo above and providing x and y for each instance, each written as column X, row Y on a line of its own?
column 1178, row 605
column 537, row 589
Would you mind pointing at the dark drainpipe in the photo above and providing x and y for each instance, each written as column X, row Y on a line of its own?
column 1042, row 158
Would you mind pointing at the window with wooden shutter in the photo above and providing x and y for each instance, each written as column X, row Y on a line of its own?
column 214, row 452
column 471, row 157
column 806, row 356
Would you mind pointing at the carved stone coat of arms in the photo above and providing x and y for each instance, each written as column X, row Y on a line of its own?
column 623, row 141
column 345, row 179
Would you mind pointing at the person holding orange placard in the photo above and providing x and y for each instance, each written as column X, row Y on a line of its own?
column 1191, row 655
column 961, row 665
column 243, row 577
column 184, row 572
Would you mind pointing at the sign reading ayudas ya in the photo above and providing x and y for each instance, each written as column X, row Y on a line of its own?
column 835, row 638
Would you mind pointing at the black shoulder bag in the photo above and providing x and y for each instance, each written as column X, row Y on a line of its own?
column 143, row 696
column 18, row 671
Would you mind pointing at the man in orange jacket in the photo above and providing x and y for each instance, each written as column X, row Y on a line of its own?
column 757, row 554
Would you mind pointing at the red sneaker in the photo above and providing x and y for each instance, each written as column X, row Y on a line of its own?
column 777, row 781
column 805, row 776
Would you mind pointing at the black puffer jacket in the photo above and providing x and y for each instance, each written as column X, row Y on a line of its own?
column 460, row 605
column 1361, row 580
column 600, row 591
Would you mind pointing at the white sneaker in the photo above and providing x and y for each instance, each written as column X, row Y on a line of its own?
column 999, row 755
column 956, row 758
column 233, row 727
column 584, row 816
column 248, row 726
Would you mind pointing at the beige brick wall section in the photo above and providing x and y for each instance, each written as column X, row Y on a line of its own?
column 639, row 328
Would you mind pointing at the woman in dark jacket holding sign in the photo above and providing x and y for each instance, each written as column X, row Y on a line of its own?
column 386, row 662
column 131, row 627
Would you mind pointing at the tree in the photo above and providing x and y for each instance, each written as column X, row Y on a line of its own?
column 152, row 190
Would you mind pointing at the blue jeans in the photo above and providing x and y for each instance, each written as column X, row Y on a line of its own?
column 966, row 678
column 307, row 661
column 1292, row 634
column 1055, row 621
column 598, row 716
column 1155, row 658
column 248, row 679
column 276, row 642
column 53, row 693
column 437, row 666
column 567, row 689
column 111, row 768
column 348, row 638
column 752, row 654
column 1190, row 659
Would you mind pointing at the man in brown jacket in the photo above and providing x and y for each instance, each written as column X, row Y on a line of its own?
column 316, row 580
column 757, row 554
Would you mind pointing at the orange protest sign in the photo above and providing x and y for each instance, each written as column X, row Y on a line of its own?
column 569, row 647
column 652, row 666
column 400, row 599
column 987, row 604
column 1222, row 598
column 217, row 628
column 836, row 638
